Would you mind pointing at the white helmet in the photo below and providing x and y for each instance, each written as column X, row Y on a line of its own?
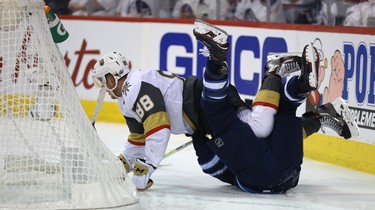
column 112, row 63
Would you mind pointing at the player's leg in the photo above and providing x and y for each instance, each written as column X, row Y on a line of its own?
column 267, row 101
column 215, row 40
column 335, row 116
column 277, row 68
column 289, row 151
column 271, row 99
column 215, row 101
column 283, row 64
column 297, row 88
column 209, row 162
column 216, row 85
column 216, row 104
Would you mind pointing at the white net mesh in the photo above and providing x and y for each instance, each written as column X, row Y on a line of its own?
column 50, row 155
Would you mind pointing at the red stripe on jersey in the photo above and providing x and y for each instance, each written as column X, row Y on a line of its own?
column 136, row 143
column 152, row 131
column 273, row 106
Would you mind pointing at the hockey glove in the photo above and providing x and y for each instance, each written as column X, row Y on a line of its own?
column 141, row 174
column 125, row 162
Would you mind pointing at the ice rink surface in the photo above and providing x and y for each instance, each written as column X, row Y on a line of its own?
column 180, row 184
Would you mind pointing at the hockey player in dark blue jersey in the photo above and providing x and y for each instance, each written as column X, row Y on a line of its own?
column 260, row 149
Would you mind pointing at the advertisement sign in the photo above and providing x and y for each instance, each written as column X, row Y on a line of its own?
column 347, row 60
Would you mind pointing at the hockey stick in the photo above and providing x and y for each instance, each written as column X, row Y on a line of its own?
column 25, row 140
column 178, row 149
column 99, row 103
column 25, row 163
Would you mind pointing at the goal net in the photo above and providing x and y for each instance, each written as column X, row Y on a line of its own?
column 50, row 155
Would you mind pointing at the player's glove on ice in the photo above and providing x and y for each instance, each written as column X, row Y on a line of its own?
column 125, row 162
column 141, row 174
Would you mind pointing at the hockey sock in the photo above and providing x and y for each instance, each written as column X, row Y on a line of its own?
column 269, row 93
column 293, row 90
column 215, row 85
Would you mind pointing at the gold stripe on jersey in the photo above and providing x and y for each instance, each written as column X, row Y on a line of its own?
column 136, row 139
column 156, row 122
column 267, row 98
column 187, row 119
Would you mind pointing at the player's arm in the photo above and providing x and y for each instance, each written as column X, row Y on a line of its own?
column 150, row 108
column 135, row 145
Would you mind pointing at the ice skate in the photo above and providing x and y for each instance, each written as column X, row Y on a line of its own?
column 309, row 72
column 283, row 65
column 342, row 108
column 215, row 39
column 337, row 117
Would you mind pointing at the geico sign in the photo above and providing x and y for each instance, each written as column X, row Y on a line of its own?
column 179, row 52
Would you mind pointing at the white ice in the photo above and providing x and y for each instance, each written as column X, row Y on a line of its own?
column 180, row 184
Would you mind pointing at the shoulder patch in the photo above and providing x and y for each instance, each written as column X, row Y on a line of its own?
column 125, row 88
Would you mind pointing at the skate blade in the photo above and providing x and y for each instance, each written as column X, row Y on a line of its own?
column 312, row 57
column 342, row 108
column 202, row 27
column 200, row 24
column 273, row 56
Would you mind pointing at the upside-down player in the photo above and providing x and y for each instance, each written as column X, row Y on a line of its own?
column 260, row 150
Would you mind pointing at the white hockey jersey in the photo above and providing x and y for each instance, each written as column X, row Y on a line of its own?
column 152, row 103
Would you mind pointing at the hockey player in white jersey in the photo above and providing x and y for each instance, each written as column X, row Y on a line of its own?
column 146, row 99
column 155, row 104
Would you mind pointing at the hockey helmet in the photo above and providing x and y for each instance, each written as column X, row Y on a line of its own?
column 112, row 63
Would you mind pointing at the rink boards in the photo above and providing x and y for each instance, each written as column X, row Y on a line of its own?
column 347, row 67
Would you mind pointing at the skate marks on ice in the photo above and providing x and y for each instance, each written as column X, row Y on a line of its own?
column 223, row 198
column 180, row 184
column 187, row 189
